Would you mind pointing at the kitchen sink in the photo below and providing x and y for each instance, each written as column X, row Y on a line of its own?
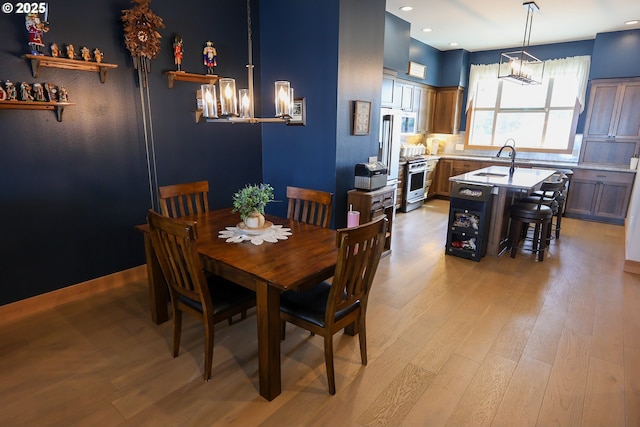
column 491, row 174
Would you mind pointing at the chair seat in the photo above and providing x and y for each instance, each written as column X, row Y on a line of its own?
column 225, row 295
column 552, row 203
column 531, row 211
column 310, row 305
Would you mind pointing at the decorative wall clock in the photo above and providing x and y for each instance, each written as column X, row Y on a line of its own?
column 141, row 36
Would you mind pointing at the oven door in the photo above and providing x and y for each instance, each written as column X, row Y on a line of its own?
column 415, row 182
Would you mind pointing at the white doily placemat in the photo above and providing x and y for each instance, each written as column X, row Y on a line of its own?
column 272, row 235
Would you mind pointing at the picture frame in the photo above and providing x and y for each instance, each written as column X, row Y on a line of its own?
column 361, row 117
column 299, row 113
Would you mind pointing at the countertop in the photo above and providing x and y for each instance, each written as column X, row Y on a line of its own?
column 498, row 176
column 537, row 163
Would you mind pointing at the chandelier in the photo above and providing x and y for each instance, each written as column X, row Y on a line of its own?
column 520, row 66
column 238, row 107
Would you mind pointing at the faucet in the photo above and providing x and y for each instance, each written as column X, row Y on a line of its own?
column 513, row 154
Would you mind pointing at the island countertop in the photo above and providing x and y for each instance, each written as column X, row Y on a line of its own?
column 498, row 176
column 506, row 191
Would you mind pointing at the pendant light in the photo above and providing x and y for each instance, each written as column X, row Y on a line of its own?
column 240, row 108
column 520, row 66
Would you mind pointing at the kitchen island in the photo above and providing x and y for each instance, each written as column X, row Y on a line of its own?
column 506, row 191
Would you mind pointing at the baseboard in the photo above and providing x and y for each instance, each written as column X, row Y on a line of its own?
column 631, row 266
column 29, row 306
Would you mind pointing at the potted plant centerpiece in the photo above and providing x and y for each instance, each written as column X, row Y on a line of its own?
column 250, row 202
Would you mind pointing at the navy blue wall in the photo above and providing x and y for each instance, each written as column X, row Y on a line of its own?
column 337, row 61
column 302, row 156
column 616, row 55
column 73, row 191
column 396, row 43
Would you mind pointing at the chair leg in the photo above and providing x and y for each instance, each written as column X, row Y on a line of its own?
column 283, row 329
column 328, row 360
column 514, row 239
column 177, row 329
column 543, row 240
column 558, row 222
column 362, row 337
column 208, row 349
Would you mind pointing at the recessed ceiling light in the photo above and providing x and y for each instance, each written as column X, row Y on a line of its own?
column 453, row 44
column 427, row 30
column 406, row 8
column 632, row 22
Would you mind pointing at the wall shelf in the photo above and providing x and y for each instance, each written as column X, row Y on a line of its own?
column 58, row 107
column 190, row 77
column 38, row 61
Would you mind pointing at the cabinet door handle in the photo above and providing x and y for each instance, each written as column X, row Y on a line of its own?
column 601, row 176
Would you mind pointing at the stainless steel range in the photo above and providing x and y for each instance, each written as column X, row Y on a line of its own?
column 416, row 184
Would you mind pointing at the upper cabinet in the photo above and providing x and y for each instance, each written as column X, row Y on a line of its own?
column 448, row 107
column 408, row 96
column 613, row 109
column 612, row 126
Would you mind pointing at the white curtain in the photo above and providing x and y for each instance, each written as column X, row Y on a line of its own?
column 577, row 66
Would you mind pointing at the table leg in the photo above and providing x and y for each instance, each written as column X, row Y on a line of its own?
column 157, row 284
column 268, row 316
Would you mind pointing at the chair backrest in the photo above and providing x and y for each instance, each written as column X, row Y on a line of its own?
column 554, row 186
column 184, row 199
column 310, row 206
column 174, row 242
column 359, row 252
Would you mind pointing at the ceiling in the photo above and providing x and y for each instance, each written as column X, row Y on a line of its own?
column 497, row 24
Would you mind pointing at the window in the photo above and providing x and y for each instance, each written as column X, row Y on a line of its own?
column 539, row 117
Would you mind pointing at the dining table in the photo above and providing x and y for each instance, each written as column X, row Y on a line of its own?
column 298, row 261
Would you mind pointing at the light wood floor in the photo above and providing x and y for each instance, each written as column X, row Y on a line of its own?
column 452, row 342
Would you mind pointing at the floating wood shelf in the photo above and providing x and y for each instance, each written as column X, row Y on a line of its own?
column 38, row 61
column 189, row 77
column 35, row 105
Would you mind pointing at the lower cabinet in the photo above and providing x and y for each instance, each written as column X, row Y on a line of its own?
column 372, row 204
column 444, row 170
column 599, row 195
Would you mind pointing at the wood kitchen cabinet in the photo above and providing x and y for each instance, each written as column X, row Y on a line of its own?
column 424, row 101
column 448, row 107
column 444, row 170
column 599, row 195
column 612, row 125
column 372, row 204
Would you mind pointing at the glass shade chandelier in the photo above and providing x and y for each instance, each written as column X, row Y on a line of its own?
column 520, row 66
column 238, row 107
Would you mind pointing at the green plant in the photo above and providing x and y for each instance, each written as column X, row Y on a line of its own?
column 252, row 198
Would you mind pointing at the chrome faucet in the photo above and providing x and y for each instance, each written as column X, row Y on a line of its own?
column 512, row 168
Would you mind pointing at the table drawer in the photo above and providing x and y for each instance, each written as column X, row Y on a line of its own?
column 382, row 201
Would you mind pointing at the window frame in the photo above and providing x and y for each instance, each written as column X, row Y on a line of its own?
column 546, row 109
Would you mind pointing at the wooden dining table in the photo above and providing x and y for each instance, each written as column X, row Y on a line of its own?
column 307, row 257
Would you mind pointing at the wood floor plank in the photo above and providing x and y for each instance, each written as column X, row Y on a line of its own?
column 604, row 403
column 632, row 385
column 482, row 398
column 563, row 402
column 523, row 398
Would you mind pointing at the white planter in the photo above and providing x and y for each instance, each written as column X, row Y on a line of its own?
column 254, row 220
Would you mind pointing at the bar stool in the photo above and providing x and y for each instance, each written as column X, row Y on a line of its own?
column 522, row 215
column 552, row 194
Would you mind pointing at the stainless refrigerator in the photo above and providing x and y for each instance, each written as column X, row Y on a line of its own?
column 390, row 141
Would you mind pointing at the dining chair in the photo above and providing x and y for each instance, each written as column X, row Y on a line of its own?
column 328, row 307
column 210, row 299
column 184, row 199
column 309, row 206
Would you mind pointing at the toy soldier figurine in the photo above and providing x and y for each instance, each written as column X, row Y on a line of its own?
column 71, row 51
column 177, row 52
column 25, row 92
column 209, row 55
column 36, row 28
column 84, row 52
column 11, row 91
column 3, row 94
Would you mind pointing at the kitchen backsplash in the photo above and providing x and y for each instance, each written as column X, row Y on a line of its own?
column 453, row 144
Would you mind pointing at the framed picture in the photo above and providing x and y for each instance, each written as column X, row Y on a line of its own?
column 299, row 113
column 361, row 117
